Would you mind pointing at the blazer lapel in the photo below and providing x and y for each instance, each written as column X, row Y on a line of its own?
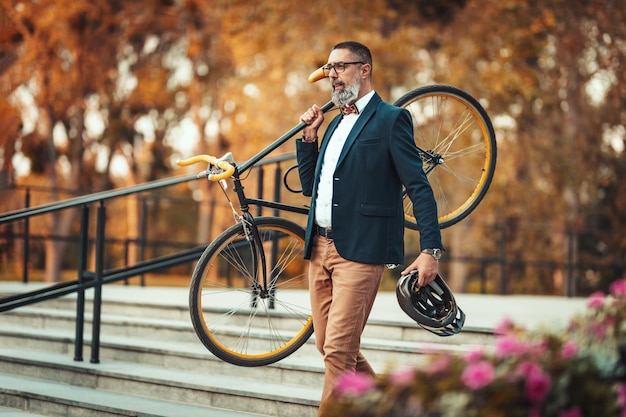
column 365, row 116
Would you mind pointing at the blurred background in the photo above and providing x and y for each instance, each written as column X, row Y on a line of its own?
column 110, row 93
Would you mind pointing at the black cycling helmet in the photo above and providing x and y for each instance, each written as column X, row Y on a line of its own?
column 433, row 307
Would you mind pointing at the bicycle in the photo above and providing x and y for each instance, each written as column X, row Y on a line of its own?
column 248, row 295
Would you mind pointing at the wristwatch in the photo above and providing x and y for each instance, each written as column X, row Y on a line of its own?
column 435, row 253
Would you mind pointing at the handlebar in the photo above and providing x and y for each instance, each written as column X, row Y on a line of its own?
column 223, row 163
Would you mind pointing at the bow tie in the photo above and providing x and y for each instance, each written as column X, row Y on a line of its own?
column 351, row 109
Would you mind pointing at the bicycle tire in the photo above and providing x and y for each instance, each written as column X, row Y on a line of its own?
column 230, row 316
column 453, row 126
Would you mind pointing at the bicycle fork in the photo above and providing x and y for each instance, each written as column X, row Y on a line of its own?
column 261, row 287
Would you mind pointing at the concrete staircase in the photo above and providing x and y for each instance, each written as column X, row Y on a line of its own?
column 152, row 364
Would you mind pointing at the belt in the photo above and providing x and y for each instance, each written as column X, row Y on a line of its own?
column 326, row 232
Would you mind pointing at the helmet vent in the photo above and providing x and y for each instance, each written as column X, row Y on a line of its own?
column 433, row 307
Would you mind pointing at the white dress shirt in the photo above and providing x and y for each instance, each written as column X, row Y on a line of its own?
column 324, row 198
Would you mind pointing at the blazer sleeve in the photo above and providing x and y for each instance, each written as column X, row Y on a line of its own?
column 409, row 167
column 306, row 154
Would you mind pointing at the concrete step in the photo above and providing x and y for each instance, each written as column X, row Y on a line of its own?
column 184, row 355
column 151, row 359
column 123, row 325
column 137, row 322
column 387, row 320
column 173, row 317
column 377, row 339
column 300, row 368
column 13, row 412
column 305, row 371
column 193, row 388
column 56, row 399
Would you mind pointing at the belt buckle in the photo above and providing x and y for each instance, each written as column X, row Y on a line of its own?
column 325, row 232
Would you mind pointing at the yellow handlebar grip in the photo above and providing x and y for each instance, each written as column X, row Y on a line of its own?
column 195, row 159
column 228, row 169
column 317, row 75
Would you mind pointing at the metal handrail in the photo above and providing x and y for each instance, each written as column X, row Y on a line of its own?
column 110, row 194
column 95, row 279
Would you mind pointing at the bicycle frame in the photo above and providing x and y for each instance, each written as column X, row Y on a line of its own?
column 262, row 288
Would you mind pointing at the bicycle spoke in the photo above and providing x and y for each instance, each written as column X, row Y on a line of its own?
column 457, row 147
column 255, row 325
column 457, row 132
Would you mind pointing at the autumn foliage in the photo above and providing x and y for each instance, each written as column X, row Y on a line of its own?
column 108, row 93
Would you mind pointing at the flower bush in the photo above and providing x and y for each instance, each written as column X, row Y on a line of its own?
column 573, row 373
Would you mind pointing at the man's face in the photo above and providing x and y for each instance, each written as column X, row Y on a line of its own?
column 345, row 85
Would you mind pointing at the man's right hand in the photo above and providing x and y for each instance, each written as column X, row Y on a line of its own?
column 313, row 117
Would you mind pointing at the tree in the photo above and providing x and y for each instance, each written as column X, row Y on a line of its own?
column 534, row 69
column 61, row 46
column 550, row 75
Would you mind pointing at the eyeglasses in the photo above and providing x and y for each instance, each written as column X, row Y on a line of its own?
column 339, row 67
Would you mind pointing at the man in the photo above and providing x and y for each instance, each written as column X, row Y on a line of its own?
column 355, row 223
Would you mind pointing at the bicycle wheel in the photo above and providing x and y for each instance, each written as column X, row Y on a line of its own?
column 238, row 319
column 458, row 147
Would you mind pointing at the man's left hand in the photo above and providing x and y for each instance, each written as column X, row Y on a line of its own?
column 427, row 266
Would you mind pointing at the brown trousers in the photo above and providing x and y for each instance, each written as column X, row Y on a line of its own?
column 342, row 295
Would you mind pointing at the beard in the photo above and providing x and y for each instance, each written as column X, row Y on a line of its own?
column 348, row 94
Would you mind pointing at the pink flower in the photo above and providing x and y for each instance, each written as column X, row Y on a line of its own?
column 537, row 385
column 508, row 345
column 621, row 395
column 598, row 330
column 572, row 412
column 438, row 365
column 569, row 350
column 403, row 376
column 526, row 368
column 618, row 288
column 354, row 384
column 596, row 300
column 504, row 327
column 538, row 348
column 478, row 375
column 474, row 356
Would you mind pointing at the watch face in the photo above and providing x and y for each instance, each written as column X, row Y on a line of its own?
column 435, row 253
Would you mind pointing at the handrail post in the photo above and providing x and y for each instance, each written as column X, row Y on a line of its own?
column 278, row 173
column 143, row 238
column 127, row 243
column 260, row 179
column 83, row 249
column 274, row 248
column 97, row 297
column 26, row 252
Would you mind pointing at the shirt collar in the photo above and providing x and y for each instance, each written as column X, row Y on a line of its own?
column 362, row 102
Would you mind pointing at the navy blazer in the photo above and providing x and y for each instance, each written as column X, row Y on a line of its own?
column 378, row 158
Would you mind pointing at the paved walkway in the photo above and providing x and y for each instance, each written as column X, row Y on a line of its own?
column 482, row 311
